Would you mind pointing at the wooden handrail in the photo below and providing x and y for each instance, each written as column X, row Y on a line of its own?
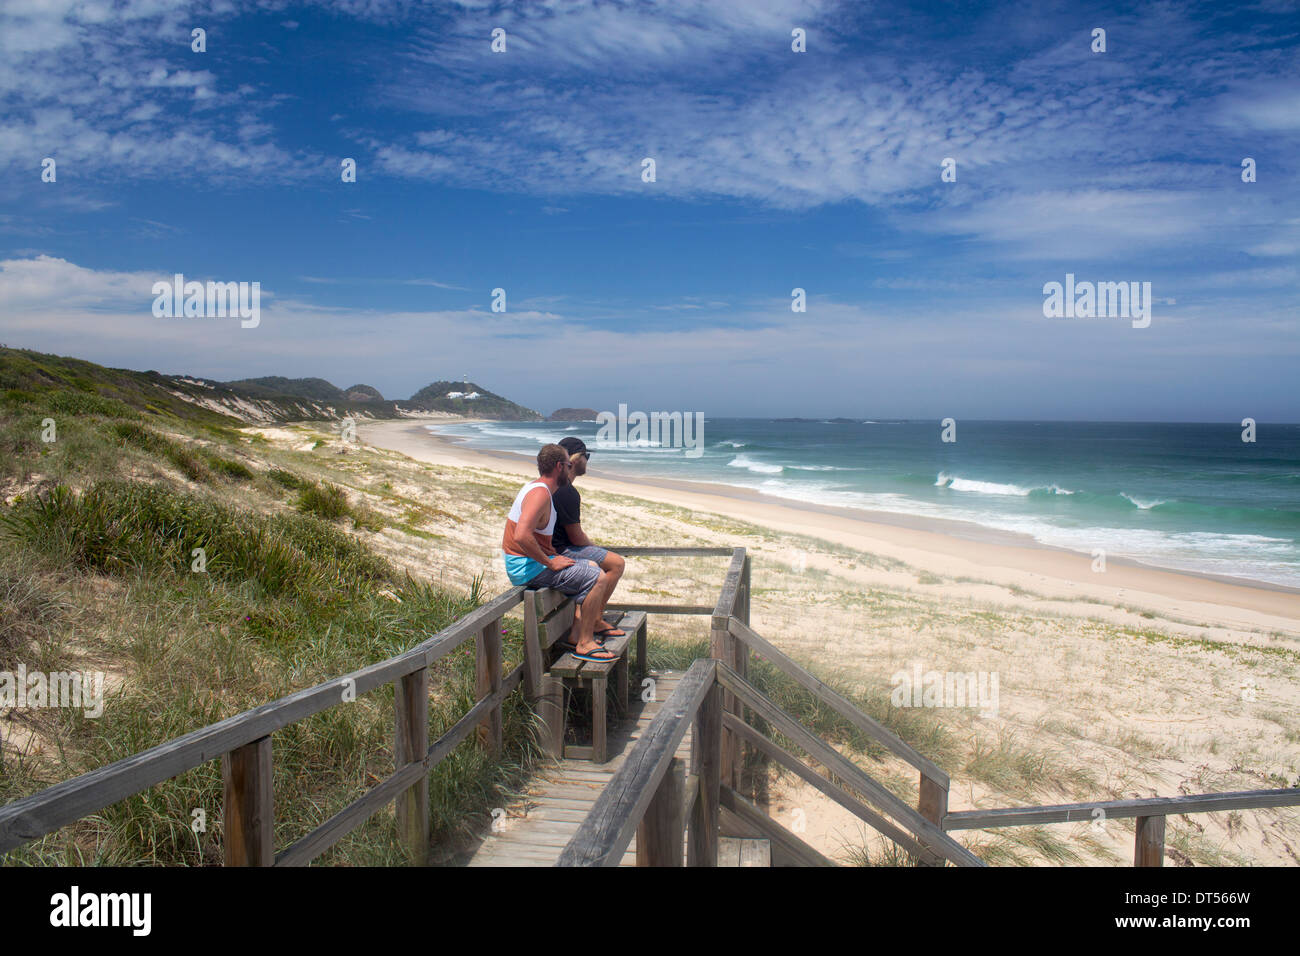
column 702, row 609
column 33, row 816
column 926, row 832
column 608, row 828
column 346, row 820
column 651, row 552
column 38, row 814
column 726, row 606
column 645, row 552
column 873, row 729
column 1116, row 809
column 830, row 789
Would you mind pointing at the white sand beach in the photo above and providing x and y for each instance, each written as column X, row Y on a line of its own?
column 1132, row 682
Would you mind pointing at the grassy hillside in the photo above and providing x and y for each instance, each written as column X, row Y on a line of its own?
column 269, row 399
column 109, row 484
column 487, row 405
column 84, row 383
column 275, row 385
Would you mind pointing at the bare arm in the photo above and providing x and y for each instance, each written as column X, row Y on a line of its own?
column 526, row 542
column 577, row 537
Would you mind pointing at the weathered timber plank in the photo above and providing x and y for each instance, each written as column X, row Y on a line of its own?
column 729, row 851
column 876, row 731
column 487, row 678
column 620, row 807
column 354, row 814
column 832, row 790
column 726, row 605
column 1144, row 806
column 756, row 853
column 41, row 813
column 410, row 744
column 706, row 746
column 700, row 609
column 926, row 832
column 1149, row 841
column 770, row 829
column 647, row 552
column 249, row 808
column 659, row 835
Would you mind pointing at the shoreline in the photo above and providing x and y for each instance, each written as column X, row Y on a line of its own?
column 942, row 546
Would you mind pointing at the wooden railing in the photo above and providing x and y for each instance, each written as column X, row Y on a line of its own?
column 243, row 744
column 658, row 800
column 652, row 795
column 648, row 794
column 1150, row 813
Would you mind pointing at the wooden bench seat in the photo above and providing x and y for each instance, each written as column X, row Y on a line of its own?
column 550, row 670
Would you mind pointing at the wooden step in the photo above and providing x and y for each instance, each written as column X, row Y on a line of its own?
column 744, row 851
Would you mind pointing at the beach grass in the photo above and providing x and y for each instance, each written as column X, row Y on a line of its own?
column 97, row 570
column 100, row 569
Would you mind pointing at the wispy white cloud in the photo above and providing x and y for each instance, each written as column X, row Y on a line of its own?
column 905, row 358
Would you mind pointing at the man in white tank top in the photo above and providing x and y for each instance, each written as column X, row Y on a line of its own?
column 531, row 559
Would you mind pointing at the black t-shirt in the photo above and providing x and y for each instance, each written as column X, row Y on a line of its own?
column 568, row 508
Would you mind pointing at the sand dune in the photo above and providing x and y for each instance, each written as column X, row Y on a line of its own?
column 1132, row 682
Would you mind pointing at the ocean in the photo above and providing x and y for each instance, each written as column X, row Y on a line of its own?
column 1191, row 497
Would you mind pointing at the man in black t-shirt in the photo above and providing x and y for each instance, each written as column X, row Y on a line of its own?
column 570, row 540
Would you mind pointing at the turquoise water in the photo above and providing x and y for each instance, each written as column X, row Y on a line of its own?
column 1186, row 496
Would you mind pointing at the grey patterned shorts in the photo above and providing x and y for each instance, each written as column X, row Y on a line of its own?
column 575, row 580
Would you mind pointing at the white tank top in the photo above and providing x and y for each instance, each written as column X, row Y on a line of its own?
column 517, row 509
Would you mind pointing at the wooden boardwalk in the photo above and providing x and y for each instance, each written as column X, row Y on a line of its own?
column 536, row 827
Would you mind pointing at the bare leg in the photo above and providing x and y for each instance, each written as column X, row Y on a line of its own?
column 588, row 613
column 613, row 565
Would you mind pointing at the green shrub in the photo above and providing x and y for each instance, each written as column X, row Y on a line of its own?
column 185, row 459
column 325, row 501
column 120, row 527
column 229, row 468
column 82, row 403
column 286, row 478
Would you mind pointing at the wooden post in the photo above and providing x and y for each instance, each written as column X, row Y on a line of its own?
column 933, row 805
column 1149, row 845
column 599, row 696
column 249, row 806
column 742, row 608
column 550, row 708
column 706, row 752
column 411, row 744
column 659, row 836
column 721, row 647
column 740, row 664
column 488, row 681
column 533, row 665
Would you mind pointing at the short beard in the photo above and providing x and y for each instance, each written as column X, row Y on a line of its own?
column 562, row 479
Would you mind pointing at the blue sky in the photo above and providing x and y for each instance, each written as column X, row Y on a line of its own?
column 775, row 170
